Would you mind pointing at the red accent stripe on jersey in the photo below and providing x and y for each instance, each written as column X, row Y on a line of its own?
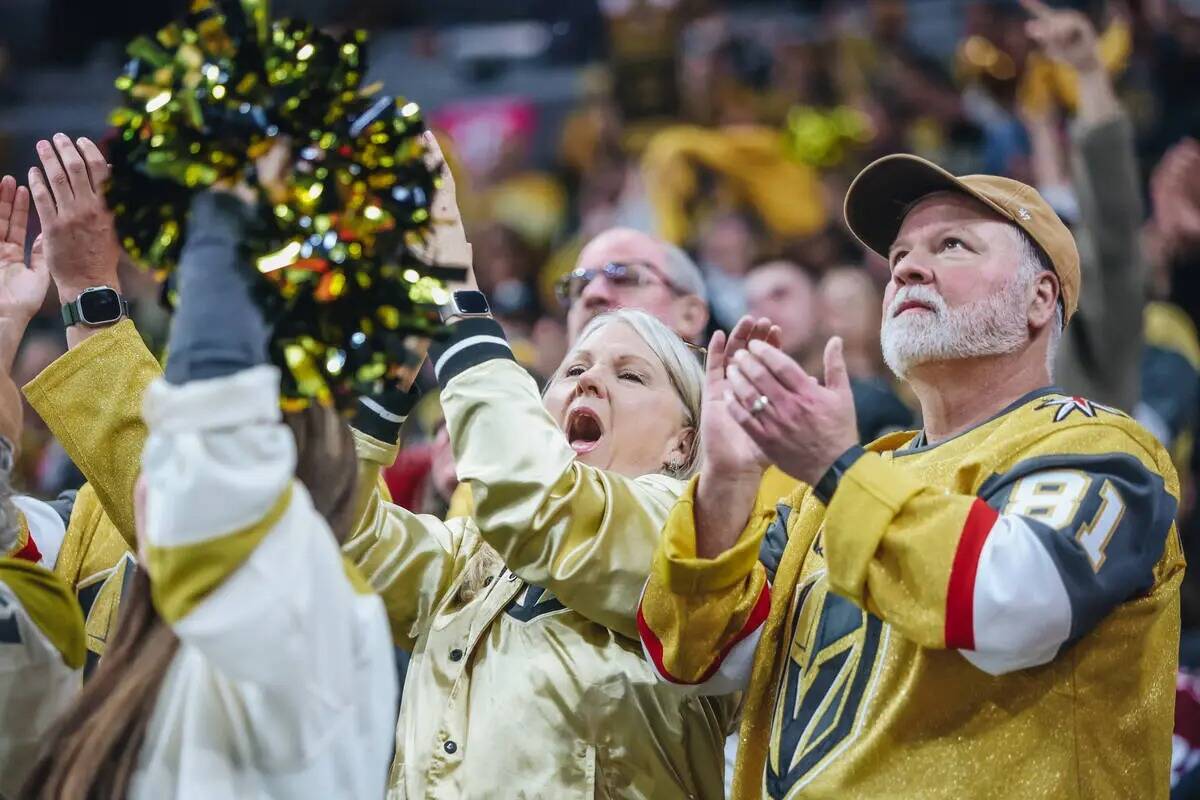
column 758, row 615
column 29, row 552
column 960, row 594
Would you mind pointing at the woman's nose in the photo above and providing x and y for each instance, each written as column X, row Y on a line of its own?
column 590, row 383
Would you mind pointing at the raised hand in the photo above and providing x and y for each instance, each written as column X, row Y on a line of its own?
column 22, row 286
column 1064, row 35
column 1174, row 190
column 800, row 425
column 80, row 240
column 449, row 246
column 726, row 448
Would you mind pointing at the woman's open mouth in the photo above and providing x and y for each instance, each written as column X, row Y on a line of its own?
column 583, row 430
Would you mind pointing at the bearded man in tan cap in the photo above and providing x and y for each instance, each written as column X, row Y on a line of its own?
column 988, row 607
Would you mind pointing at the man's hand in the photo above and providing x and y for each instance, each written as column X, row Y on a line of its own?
column 79, row 237
column 1064, row 35
column 801, row 425
column 732, row 464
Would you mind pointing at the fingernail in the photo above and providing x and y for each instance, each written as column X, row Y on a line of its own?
column 757, row 345
column 42, row 144
column 740, row 354
column 734, row 372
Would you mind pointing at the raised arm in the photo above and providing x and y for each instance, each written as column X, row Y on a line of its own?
column 1104, row 343
column 91, row 397
column 410, row 559
column 586, row 534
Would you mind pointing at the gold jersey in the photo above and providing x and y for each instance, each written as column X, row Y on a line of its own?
column 996, row 615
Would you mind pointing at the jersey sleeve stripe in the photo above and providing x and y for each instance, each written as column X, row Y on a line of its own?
column 960, row 593
column 26, row 549
column 653, row 647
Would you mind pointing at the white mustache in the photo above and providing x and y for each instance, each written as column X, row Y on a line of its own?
column 918, row 294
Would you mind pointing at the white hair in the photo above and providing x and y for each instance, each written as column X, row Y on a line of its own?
column 10, row 519
column 678, row 359
column 1033, row 262
column 683, row 271
column 993, row 325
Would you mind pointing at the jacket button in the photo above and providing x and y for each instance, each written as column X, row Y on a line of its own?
column 456, row 654
column 450, row 747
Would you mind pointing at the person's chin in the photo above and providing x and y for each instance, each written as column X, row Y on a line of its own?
column 596, row 457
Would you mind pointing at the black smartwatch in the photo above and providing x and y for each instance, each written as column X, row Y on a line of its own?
column 465, row 304
column 96, row 305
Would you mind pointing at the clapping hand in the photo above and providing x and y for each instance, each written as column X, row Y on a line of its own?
column 727, row 450
column 799, row 424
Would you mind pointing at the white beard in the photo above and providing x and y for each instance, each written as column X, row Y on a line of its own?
column 993, row 325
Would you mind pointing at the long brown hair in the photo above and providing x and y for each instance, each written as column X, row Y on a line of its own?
column 93, row 750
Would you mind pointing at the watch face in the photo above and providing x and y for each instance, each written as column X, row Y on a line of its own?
column 98, row 306
column 471, row 302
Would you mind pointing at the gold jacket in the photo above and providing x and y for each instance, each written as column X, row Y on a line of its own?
column 536, row 686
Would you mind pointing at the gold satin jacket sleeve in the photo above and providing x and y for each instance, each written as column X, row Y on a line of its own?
column 586, row 534
column 410, row 559
column 90, row 397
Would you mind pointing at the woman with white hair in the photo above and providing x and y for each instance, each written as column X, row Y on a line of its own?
column 527, row 679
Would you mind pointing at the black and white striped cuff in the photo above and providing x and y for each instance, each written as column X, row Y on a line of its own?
column 471, row 342
column 381, row 416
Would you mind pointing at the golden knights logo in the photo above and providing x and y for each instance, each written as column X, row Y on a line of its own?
column 532, row 603
column 825, row 686
column 1065, row 406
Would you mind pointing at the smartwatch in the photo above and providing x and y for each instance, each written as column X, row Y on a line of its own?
column 465, row 304
column 96, row 305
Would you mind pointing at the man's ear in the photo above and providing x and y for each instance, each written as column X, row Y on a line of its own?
column 1044, row 303
column 691, row 314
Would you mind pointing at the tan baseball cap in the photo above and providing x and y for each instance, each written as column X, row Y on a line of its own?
column 885, row 190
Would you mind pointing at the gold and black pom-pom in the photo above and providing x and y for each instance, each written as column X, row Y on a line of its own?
column 335, row 247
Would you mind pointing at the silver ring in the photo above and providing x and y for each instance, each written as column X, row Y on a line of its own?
column 760, row 405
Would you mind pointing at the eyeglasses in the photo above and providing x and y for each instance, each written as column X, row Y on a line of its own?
column 622, row 275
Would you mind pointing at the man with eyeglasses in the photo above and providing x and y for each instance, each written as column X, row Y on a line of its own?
column 625, row 268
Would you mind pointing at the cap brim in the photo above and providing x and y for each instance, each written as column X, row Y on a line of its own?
column 885, row 190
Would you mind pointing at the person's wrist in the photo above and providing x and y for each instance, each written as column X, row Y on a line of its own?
column 12, row 330
column 69, row 290
column 730, row 477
